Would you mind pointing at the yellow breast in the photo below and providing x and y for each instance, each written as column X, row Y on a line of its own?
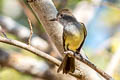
column 74, row 41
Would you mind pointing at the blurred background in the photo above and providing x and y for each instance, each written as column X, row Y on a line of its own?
column 102, row 46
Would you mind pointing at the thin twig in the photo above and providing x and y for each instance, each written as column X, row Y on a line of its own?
column 31, row 31
column 90, row 64
column 2, row 31
column 101, row 72
column 6, row 22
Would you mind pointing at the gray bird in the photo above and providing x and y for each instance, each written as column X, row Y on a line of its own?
column 74, row 34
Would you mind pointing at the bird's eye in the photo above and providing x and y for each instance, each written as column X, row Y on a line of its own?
column 61, row 15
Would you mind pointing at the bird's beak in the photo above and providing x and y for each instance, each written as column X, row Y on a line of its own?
column 54, row 19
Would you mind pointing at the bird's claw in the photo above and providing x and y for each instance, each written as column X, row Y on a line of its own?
column 70, row 53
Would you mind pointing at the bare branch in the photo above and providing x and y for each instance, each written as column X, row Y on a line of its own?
column 2, row 31
column 22, row 63
column 31, row 31
column 31, row 49
column 45, row 10
column 87, row 62
column 29, row 66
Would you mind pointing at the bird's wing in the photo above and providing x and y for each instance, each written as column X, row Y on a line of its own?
column 84, row 28
column 85, row 34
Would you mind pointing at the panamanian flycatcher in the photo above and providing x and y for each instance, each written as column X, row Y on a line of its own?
column 74, row 34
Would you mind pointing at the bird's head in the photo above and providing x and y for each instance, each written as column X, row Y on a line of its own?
column 64, row 16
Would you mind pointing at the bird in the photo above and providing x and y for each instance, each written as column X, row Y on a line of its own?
column 74, row 35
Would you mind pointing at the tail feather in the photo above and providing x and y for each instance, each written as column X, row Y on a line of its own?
column 72, row 64
column 66, row 68
column 63, row 64
column 68, row 65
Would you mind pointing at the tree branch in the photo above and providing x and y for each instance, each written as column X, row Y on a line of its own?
column 31, row 49
column 87, row 62
column 31, row 32
column 29, row 66
column 22, row 63
column 45, row 10
column 35, row 51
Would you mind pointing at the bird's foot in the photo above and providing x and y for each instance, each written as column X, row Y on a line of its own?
column 73, row 54
column 70, row 53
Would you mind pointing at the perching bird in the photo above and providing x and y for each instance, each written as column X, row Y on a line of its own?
column 74, row 34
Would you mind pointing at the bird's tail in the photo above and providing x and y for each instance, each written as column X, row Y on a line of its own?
column 68, row 64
